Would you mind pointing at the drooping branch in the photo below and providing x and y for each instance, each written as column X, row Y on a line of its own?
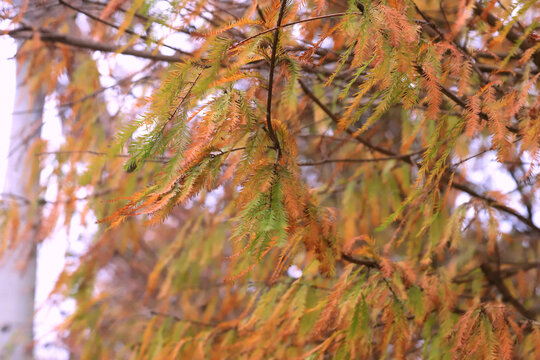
column 461, row 48
column 513, row 35
column 460, row 102
column 490, row 275
column 407, row 158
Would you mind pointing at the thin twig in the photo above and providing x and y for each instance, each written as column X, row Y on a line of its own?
column 161, row 159
column 352, row 160
column 471, row 157
column 279, row 26
column 12, row 196
column 178, row 318
column 110, row 24
column 88, row 96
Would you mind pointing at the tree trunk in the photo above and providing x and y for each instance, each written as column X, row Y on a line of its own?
column 18, row 262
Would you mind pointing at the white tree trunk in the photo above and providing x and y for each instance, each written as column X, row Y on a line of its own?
column 18, row 264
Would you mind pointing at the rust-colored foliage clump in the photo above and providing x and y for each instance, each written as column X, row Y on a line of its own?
column 297, row 179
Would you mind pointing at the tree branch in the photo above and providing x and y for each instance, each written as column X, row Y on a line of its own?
column 161, row 159
column 407, row 158
column 491, row 276
column 367, row 263
column 352, row 160
column 269, row 127
column 47, row 36
column 335, row 119
column 494, row 279
column 460, row 102
column 178, row 318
